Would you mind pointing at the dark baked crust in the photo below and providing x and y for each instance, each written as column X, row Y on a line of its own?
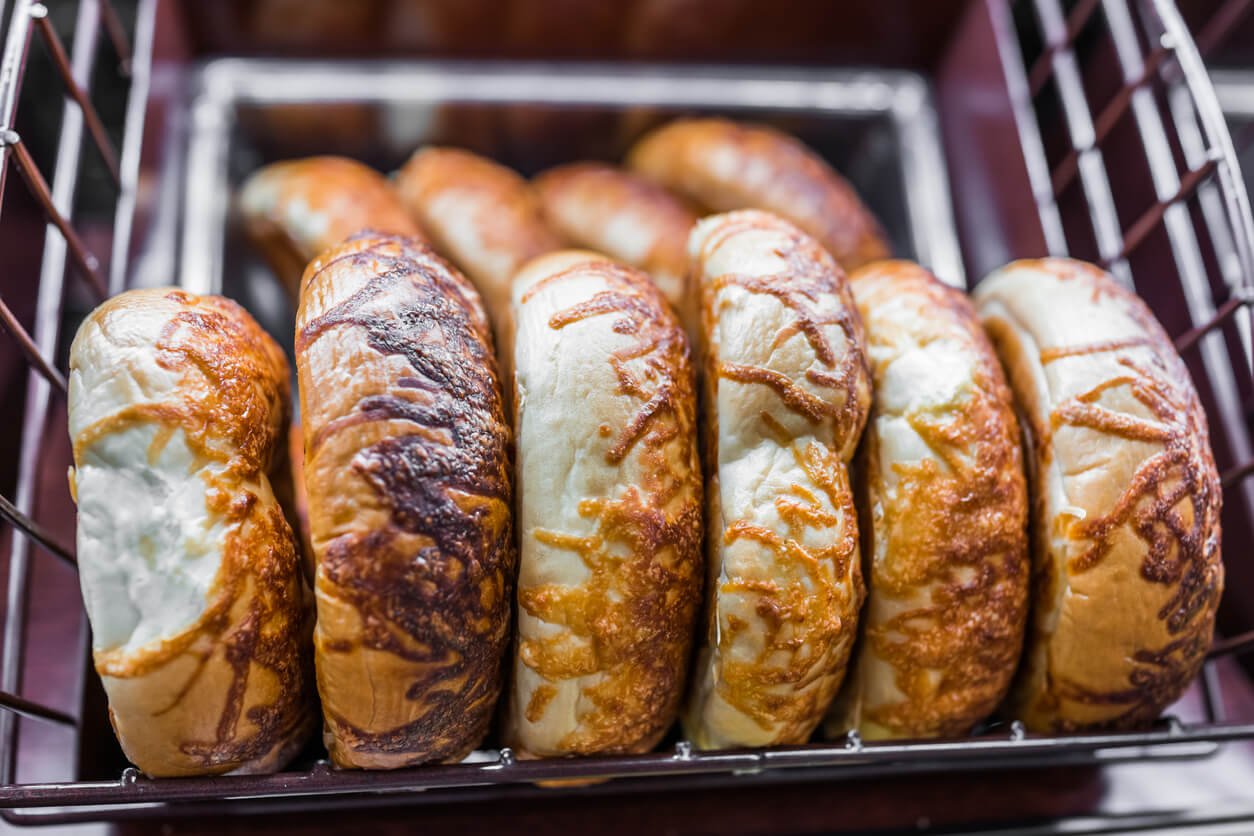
column 409, row 502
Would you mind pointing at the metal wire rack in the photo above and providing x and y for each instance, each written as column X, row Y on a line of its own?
column 1185, row 241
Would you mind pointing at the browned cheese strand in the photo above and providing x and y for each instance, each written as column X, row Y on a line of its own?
column 943, row 507
column 1126, row 543
column 609, row 513
column 787, row 392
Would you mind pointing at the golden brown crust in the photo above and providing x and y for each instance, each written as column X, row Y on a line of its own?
column 787, row 392
column 722, row 165
column 233, row 691
column 480, row 215
column 406, row 467
column 945, row 530
column 604, row 638
column 626, row 217
column 295, row 209
column 1127, row 571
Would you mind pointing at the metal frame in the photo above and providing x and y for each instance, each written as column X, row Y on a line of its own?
column 1213, row 177
column 1172, row 65
column 27, row 17
column 226, row 84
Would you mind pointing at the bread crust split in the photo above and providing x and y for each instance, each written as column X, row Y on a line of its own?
column 1126, row 538
column 723, row 165
column 943, row 506
column 295, row 209
column 787, row 391
column 201, row 619
column 609, row 489
column 407, row 475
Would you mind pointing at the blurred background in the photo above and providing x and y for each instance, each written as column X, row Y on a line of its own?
column 943, row 113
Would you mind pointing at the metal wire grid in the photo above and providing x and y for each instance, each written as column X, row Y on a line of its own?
column 95, row 19
column 1210, row 177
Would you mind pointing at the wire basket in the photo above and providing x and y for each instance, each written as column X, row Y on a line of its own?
column 1115, row 150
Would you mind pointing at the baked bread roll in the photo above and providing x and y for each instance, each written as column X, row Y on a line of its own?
column 787, row 393
column 1125, row 537
column 626, row 217
column 295, row 209
column 721, row 165
column 944, row 503
column 200, row 618
column 406, row 471
column 481, row 216
column 609, row 512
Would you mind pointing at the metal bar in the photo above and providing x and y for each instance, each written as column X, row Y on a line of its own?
column 14, row 636
column 1234, row 475
column 1224, row 229
column 41, row 364
column 1212, row 693
column 76, row 90
column 132, row 139
column 1151, row 216
column 1204, row 136
column 322, row 780
column 26, row 708
column 1027, row 127
column 503, row 792
column 45, row 335
column 66, row 176
column 1215, row 134
column 1043, row 66
column 1221, row 24
column 1066, row 170
column 117, row 36
column 1189, row 338
column 1093, row 176
column 1232, row 646
column 70, row 143
column 86, row 262
column 12, row 67
column 37, row 532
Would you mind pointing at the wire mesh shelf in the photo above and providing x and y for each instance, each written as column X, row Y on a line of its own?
column 1186, row 243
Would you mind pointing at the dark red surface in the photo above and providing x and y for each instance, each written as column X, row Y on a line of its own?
column 997, row 220
column 885, row 33
column 994, row 208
